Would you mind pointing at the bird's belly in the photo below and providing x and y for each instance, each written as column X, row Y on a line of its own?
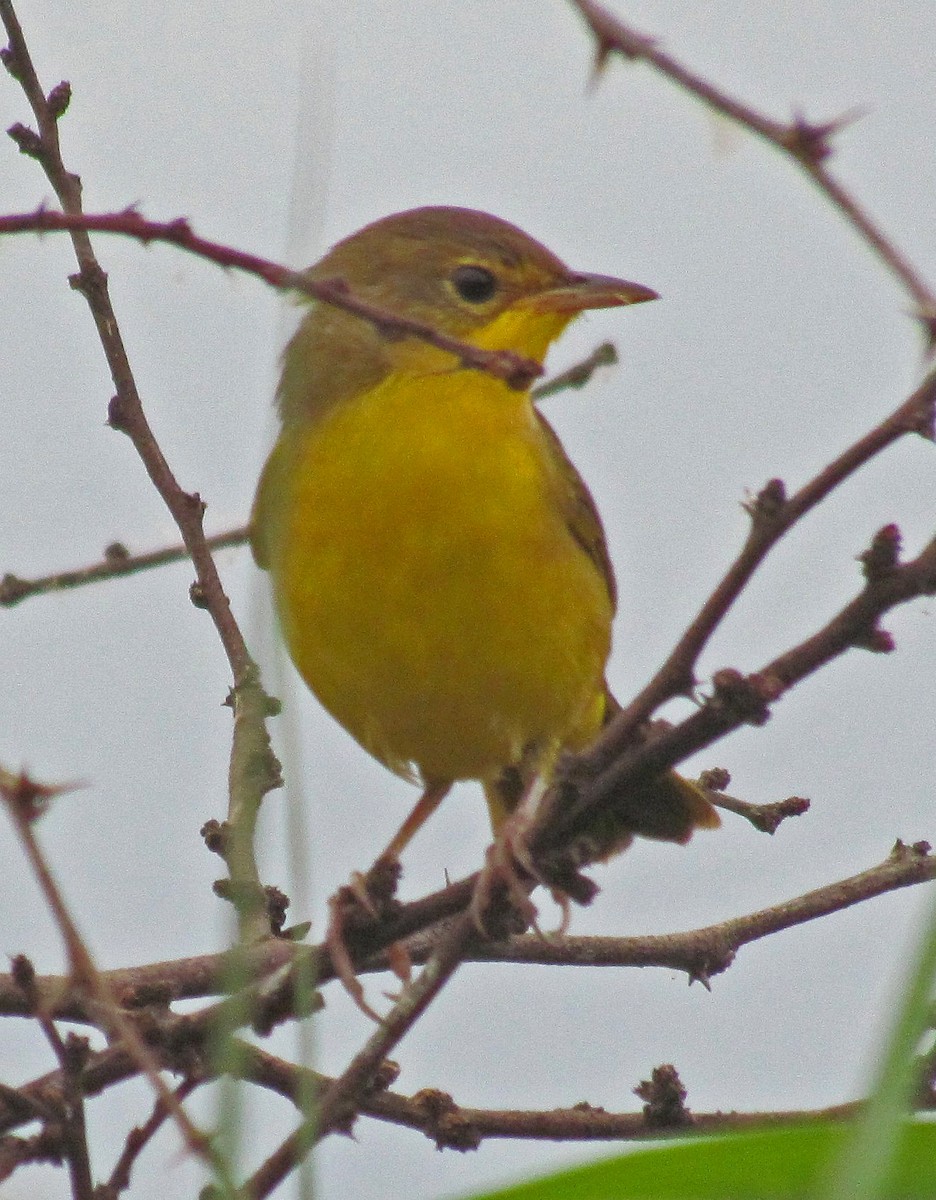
column 436, row 604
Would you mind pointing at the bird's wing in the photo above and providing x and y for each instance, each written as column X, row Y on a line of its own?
column 578, row 509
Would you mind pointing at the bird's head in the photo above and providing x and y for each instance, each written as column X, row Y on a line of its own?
column 466, row 273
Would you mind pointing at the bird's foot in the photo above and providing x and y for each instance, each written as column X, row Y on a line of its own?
column 361, row 901
column 506, row 880
column 501, row 903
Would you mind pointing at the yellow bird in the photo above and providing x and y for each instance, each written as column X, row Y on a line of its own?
column 439, row 567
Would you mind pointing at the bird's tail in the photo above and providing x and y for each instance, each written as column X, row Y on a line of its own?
column 669, row 808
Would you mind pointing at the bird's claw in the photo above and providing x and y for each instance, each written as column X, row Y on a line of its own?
column 337, row 947
column 364, row 896
column 504, row 883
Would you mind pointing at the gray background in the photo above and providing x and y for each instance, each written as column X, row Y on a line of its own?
column 779, row 339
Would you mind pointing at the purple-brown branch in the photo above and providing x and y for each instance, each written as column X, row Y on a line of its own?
column 452, row 1126
column 341, row 1100
column 589, row 783
column 767, row 818
column 705, row 952
column 253, row 769
column 116, row 563
column 809, row 145
column 139, row 1137
column 126, row 410
column 772, row 515
column 25, row 801
column 430, row 1111
column 515, row 370
column 699, row 952
column 180, row 1039
column 72, row 1053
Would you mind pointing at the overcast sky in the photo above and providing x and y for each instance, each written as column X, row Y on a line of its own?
column 779, row 339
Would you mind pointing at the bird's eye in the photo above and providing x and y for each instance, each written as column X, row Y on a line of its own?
column 474, row 284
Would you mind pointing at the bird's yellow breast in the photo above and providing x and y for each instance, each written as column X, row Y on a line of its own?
column 427, row 583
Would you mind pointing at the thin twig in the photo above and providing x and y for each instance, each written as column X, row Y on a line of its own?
column 514, row 369
column 253, row 769
column 116, row 563
column 71, row 1055
column 708, row 951
column 453, row 1126
column 701, row 953
column 736, row 699
column 579, row 374
column 693, row 951
column 435, row 1114
column 808, row 145
column 590, row 782
column 25, row 800
column 138, row 1138
column 772, row 515
column 449, row 1125
column 45, row 1147
column 765, row 817
column 342, row 1100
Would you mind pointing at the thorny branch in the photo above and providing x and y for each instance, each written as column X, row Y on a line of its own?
column 772, row 515
column 453, row 1126
column 137, row 1140
column 430, row 1111
column 592, row 782
column 253, row 769
column 180, row 1040
column 700, row 953
column 25, row 801
column 515, row 370
column 116, row 563
column 809, row 145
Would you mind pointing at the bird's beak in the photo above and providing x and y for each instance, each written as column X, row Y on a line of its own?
column 583, row 291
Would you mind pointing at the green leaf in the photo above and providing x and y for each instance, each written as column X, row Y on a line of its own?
column 779, row 1164
column 860, row 1172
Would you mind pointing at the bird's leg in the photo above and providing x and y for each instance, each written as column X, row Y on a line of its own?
column 433, row 795
column 366, row 894
column 509, row 866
